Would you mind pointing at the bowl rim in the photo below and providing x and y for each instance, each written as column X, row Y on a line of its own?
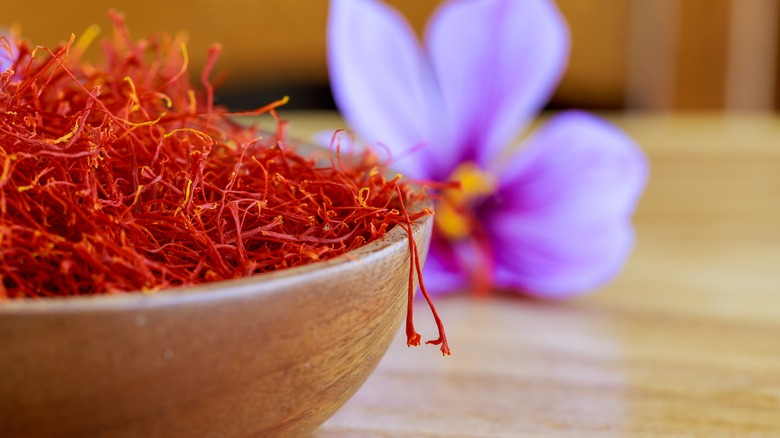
column 236, row 288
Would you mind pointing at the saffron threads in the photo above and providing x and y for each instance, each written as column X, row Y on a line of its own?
column 120, row 177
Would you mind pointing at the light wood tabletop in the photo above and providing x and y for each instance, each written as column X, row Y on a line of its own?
column 686, row 342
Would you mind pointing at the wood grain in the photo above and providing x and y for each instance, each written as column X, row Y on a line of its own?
column 686, row 342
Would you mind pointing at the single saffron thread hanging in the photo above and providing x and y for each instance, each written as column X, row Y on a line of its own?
column 120, row 176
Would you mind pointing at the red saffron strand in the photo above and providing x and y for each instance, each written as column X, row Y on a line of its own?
column 413, row 338
column 120, row 176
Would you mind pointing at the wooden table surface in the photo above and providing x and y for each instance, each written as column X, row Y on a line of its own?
column 686, row 342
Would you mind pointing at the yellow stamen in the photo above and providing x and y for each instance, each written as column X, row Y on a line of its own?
column 65, row 137
column 133, row 94
column 362, row 197
column 454, row 216
column 450, row 222
column 474, row 182
column 85, row 40
column 187, row 193
column 193, row 101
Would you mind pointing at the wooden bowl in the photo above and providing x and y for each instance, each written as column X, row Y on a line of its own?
column 272, row 355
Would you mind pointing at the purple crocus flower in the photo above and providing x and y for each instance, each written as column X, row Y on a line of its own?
column 551, row 220
column 8, row 49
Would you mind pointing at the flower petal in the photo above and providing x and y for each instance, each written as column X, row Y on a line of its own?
column 561, row 222
column 497, row 63
column 380, row 79
column 443, row 272
column 8, row 49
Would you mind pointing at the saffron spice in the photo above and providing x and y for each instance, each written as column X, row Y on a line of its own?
column 120, row 176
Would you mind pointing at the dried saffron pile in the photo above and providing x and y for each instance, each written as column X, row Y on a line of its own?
column 120, row 176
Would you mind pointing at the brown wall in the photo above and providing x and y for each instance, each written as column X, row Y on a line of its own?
column 263, row 41
column 648, row 54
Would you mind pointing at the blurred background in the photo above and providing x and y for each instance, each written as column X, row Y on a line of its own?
column 627, row 54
